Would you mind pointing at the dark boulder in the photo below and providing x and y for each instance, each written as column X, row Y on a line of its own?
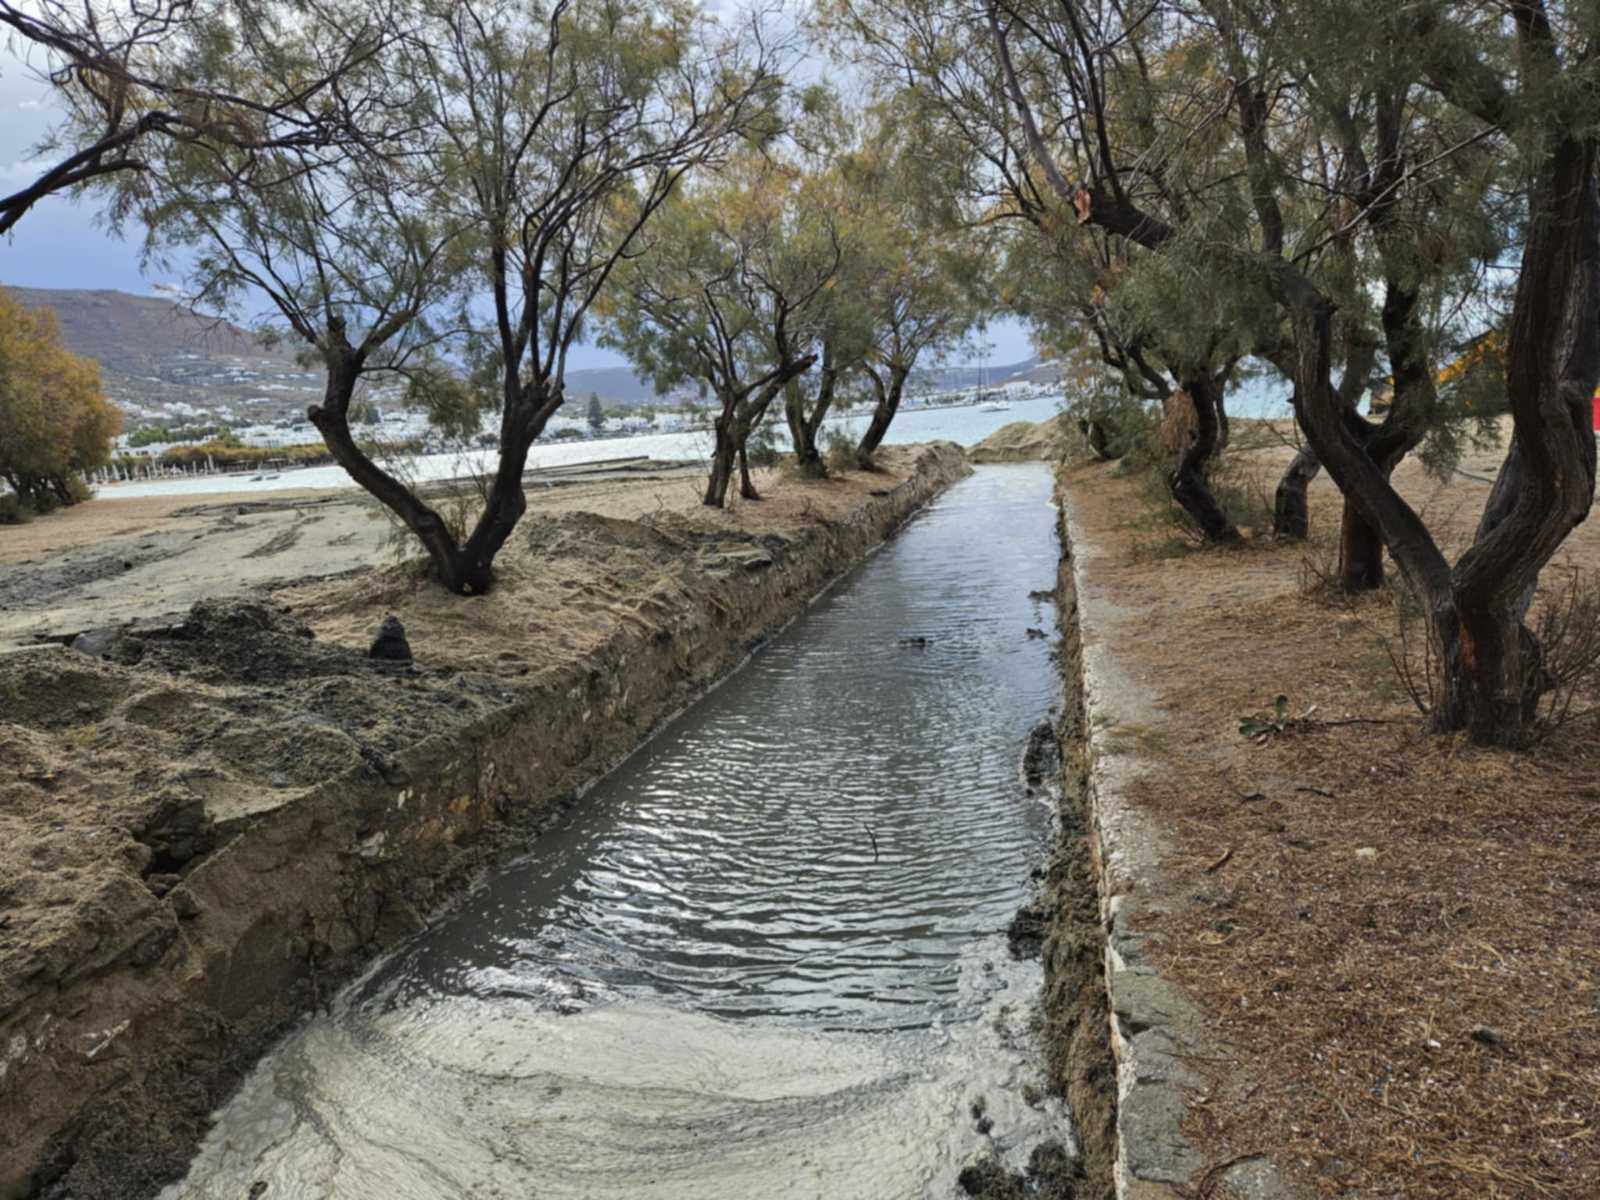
column 390, row 645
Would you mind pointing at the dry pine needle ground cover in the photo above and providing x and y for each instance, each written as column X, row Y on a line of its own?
column 1395, row 935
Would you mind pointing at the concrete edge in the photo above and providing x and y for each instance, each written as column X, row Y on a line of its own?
column 1154, row 1028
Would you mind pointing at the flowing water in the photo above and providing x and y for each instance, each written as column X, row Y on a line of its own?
column 764, row 958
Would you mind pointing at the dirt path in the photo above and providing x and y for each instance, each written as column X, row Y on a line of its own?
column 1383, row 940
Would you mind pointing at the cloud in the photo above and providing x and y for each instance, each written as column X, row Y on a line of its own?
column 33, row 105
column 23, row 170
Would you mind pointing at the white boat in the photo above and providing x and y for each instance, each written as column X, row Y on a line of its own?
column 995, row 406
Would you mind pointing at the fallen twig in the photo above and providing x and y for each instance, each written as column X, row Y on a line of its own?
column 874, row 838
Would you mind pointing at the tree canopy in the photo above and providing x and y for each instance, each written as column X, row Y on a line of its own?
column 55, row 423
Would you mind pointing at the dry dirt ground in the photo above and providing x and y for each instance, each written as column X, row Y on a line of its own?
column 1396, row 934
column 109, row 562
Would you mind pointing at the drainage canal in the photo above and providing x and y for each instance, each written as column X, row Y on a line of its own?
column 764, row 958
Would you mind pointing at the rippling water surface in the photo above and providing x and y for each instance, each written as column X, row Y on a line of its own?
column 762, row 959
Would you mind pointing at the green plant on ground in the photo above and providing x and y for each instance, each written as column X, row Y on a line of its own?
column 762, row 448
column 1262, row 726
column 839, row 453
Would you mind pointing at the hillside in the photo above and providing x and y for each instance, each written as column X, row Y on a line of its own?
column 163, row 363
column 159, row 361
column 1028, row 370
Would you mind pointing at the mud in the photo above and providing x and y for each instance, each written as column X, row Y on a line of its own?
column 199, row 848
column 1077, row 1013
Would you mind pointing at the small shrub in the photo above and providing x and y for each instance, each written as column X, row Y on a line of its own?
column 1565, row 622
column 14, row 510
column 762, row 447
column 45, row 501
column 1241, row 484
column 838, row 452
column 1567, row 625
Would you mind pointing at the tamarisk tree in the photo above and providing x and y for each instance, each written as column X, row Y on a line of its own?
column 725, row 293
column 512, row 158
column 1492, row 674
column 55, row 424
column 133, row 73
column 1059, row 121
column 925, row 272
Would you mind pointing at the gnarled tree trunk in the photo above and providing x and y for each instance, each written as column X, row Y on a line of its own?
column 1187, row 480
column 747, row 489
column 805, row 425
column 1291, row 511
column 723, row 452
column 332, row 421
column 1490, row 663
column 742, row 410
column 465, row 568
column 888, row 392
column 1098, row 438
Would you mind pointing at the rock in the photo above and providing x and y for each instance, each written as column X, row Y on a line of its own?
column 917, row 640
column 982, row 1175
column 390, row 645
column 1487, row 1036
column 1367, row 853
column 183, row 903
column 1037, row 633
column 1042, row 758
column 111, row 644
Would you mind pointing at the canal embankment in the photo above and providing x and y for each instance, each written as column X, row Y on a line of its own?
column 213, row 825
column 766, row 956
column 1337, row 954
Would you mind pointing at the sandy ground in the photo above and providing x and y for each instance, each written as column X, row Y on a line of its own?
column 112, row 562
column 1394, row 934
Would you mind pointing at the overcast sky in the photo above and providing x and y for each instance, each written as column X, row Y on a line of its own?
column 60, row 244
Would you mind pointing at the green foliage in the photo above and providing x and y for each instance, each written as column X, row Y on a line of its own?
column 455, row 404
column 762, row 448
column 839, row 452
column 14, row 510
column 55, row 423
column 1261, row 726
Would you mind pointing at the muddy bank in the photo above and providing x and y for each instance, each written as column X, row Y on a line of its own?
column 204, row 838
column 1065, row 920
